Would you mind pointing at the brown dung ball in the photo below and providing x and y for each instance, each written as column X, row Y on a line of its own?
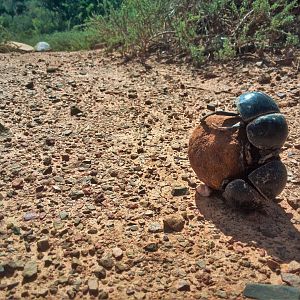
column 216, row 151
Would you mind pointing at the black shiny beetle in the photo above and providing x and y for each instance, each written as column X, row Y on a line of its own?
column 266, row 131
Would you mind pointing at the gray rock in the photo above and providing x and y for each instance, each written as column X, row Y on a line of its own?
column 75, row 111
column 149, row 213
column 93, row 285
column 67, row 132
column 132, row 94
column 63, row 215
column 211, row 106
column 62, row 280
column 130, row 291
column 30, row 270
column 106, row 262
column 293, row 266
column 75, row 262
column 48, row 170
column 83, row 72
column 71, row 293
column 2, row 270
column 133, row 228
column 173, row 223
column 221, row 294
column 271, row 292
column 58, row 224
column 117, row 252
column 76, row 194
column 291, row 279
column 100, row 272
column 3, row 130
column 92, row 230
column 155, row 227
column 264, row 78
column 52, row 69
column 53, row 289
column 29, row 85
column 151, row 247
column 47, row 160
column 16, row 230
column 12, row 285
column 19, row 47
column 56, row 188
column 294, row 203
column 176, row 146
column 180, row 191
column 183, row 285
column 8, row 268
column 43, row 245
column 30, row 216
column 42, row 293
column 120, row 267
column 201, row 264
column 76, row 284
column 281, row 95
column 102, row 295
column 42, row 47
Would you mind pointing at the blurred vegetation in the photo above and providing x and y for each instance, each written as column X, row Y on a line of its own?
column 73, row 40
column 196, row 29
column 200, row 30
column 61, row 23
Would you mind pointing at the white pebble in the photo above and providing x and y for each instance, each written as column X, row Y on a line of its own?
column 203, row 190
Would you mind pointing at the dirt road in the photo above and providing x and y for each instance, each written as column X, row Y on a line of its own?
column 97, row 153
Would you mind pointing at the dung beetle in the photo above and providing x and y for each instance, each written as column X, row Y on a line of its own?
column 240, row 194
column 254, row 104
column 265, row 182
column 266, row 131
column 269, row 179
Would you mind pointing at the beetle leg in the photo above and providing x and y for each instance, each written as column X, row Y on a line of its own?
column 218, row 112
column 233, row 127
column 224, row 183
column 265, row 155
column 248, row 155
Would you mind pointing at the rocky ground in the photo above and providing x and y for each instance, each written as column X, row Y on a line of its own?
column 97, row 198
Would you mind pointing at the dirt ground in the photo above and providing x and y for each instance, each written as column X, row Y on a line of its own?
column 90, row 170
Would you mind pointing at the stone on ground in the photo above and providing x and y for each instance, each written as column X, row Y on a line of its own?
column 271, row 292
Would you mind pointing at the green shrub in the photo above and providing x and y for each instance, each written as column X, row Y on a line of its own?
column 197, row 54
column 131, row 27
column 292, row 40
column 4, row 37
column 201, row 29
column 227, row 51
column 198, row 29
column 65, row 41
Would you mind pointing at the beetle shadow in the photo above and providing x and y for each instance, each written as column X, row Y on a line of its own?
column 271, row 230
